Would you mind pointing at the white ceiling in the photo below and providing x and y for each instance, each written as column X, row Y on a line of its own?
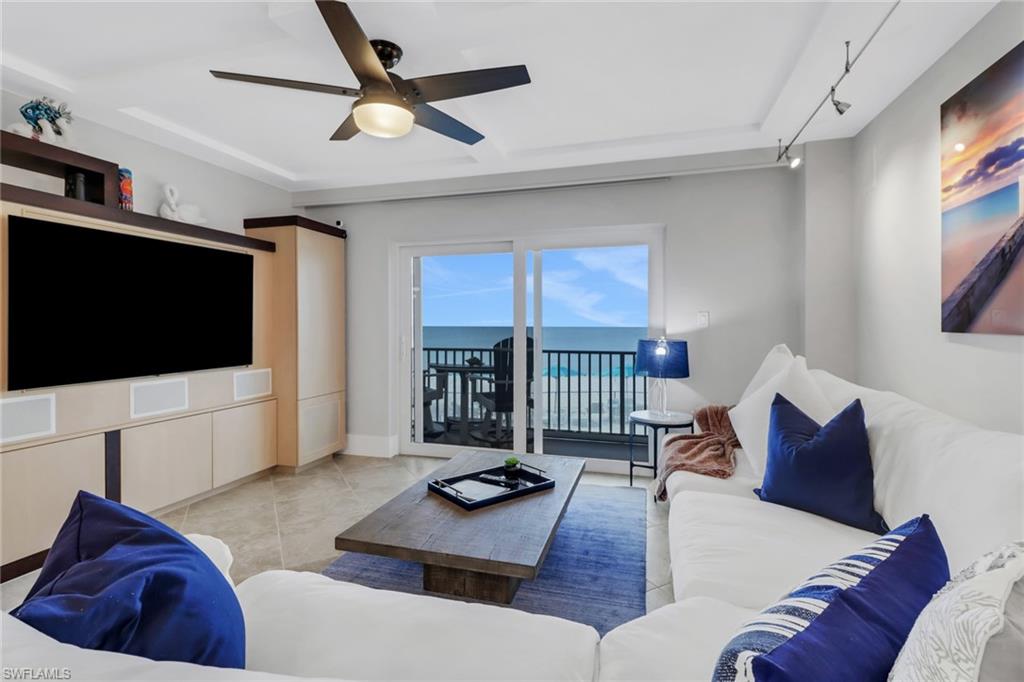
column 611, row 81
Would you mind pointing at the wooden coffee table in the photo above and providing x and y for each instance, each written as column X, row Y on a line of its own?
column 482, row 554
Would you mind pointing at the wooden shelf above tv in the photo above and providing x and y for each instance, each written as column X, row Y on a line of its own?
column 40, row 157
column 56, row 202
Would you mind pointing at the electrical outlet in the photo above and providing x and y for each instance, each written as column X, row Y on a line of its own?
column 703, row 319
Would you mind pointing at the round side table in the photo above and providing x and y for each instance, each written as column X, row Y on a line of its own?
column 654, row 421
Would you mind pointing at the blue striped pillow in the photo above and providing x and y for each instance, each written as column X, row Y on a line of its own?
column 847, row 622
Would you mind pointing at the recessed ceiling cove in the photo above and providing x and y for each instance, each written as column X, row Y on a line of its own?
column 608, row 81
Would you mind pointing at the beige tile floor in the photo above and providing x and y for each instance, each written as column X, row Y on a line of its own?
column 290, row 520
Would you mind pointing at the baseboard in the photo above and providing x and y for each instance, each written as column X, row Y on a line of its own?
column 371, row 446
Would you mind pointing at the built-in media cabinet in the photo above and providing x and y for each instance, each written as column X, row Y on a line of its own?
column 157, row 442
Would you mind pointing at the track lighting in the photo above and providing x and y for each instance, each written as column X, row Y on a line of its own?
column 841, row 106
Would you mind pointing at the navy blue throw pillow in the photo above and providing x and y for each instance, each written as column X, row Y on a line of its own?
column 119, row 580
column 825, row 470
column 848, row 622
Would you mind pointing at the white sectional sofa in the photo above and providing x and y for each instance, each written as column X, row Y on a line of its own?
column 731, row 555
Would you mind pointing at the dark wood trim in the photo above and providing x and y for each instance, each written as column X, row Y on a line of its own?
column 20, row 567
column 101, row 184
column 294, row 220
column 112, row 465
column 55, row 202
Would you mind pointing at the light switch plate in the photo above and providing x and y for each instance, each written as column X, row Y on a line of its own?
column 703, row 319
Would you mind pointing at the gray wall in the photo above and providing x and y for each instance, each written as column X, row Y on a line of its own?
column 898, row 225
column 224, row 196
column 731, row 249
column 830, row 260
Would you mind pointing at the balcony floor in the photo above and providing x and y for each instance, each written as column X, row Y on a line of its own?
column 561, row 445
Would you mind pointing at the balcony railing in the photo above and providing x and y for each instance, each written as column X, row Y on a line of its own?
column 587, row 393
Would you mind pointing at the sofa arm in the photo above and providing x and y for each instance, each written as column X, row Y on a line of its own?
column 310, row 625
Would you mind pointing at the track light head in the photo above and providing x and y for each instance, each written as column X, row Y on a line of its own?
column 793, row 161
column 841, row 106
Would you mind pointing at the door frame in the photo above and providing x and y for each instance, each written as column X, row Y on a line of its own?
column 528, row 241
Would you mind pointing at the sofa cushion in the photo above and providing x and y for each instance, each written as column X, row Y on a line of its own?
column 848, row 621
column 118, row 580
column 308, row 624
column 27, row 649
column 680, row 641
column 748, row 552
column 821, row 469
column 750, row 418
column 741, row 483
column 969, row 480
column 777, row 361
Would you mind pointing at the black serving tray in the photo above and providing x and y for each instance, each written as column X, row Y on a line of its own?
column 531, row 480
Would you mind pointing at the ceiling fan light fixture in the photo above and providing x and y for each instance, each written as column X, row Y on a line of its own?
column 383, row 116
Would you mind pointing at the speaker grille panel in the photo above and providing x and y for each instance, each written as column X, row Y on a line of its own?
column 252, row 384
column 27, row 417
column 149, row 398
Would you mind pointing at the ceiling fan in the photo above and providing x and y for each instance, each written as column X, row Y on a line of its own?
column 388, row 105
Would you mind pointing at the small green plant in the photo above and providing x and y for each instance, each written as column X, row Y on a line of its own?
column 511, row 462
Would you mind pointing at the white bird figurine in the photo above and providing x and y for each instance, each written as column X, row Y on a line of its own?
column 185, row 213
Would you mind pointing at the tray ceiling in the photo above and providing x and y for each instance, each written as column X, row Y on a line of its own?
column 611, row 81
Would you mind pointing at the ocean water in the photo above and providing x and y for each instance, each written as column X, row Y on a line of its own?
column 555, row 338
column 1000, row 205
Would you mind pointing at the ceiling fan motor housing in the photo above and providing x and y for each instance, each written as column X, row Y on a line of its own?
column 388, row 53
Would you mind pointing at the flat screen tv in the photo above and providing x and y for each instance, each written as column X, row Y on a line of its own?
column 92, row 305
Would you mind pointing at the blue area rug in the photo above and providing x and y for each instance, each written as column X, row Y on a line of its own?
column 595, row 572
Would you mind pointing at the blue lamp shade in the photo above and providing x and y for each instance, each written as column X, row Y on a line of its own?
column 672, row 362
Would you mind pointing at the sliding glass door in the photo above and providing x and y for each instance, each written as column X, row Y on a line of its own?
column 461, row 345
column 526, row 345
column 593, row 310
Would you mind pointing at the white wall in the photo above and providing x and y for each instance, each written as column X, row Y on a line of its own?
column 731, row 249
column 224, row 196
column 977, row 377
column 829, row 253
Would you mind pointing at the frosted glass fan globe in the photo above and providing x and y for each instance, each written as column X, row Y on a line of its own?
column 382, row 118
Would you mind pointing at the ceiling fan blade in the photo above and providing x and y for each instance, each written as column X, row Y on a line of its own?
column 440, row 122
column 350, row 38
column 286, row 83
column 463, row 83
column 347, row 130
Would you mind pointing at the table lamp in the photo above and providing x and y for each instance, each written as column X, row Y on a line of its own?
column 661, row 359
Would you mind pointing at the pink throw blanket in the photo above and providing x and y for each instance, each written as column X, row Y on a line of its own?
column 710, row 452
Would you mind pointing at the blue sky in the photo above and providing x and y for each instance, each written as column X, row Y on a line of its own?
column 594, row 287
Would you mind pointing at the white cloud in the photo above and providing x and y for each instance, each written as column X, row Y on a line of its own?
column 627, row 264
column 561, row 286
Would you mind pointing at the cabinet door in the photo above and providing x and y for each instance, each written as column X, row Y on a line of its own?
column 244, row 441
column 166, row 462
column 321, row 426
column 320, row 271
column 39, row 484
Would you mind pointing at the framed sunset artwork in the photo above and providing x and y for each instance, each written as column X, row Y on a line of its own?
column 983, row 201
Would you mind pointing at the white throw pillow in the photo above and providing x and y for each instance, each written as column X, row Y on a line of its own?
column 751, row 416
column 968, row 629
column 774, row 364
